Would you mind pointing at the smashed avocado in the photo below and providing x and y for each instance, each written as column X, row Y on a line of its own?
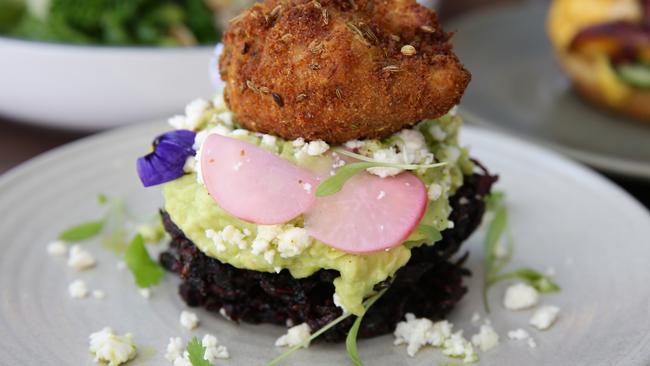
column 195, row 212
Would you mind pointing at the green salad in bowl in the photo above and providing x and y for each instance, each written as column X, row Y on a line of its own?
column 169, row 23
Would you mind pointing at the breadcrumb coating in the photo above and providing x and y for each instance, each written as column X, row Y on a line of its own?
column 338, row 70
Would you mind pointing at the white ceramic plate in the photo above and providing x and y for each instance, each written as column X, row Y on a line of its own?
column 88, row 88
column 517, row 86
column 563, row 215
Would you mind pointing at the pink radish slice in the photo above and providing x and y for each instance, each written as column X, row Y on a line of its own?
column 369, row 214
column 253, row 184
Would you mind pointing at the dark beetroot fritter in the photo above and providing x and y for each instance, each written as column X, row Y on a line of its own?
column 429, row 285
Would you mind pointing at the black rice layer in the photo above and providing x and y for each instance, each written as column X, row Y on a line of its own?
column 429, row 285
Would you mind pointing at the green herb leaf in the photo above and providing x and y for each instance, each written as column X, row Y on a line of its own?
column 334, row 183
column 83, row 231
column 102, row 199
column 539, row 281
column 196, row 353
column 146, row 271
column 494, row 200
column 351, row 340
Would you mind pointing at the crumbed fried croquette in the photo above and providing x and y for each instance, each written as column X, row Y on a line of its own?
column 338, row 70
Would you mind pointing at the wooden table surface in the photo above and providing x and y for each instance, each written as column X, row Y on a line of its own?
column 20, row 142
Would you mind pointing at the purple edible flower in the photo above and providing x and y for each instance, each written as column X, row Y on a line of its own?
column 165, row 163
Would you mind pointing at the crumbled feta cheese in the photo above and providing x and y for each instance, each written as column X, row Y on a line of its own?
column 57, row 248
column 453, row 154
column 531, row 343
column 194, row 111
column 295, row 336
column 145, row 292
column 174, row 349
column 178, row 122
column 99, row 294
column 229, row 235
column 213, row 350
column 226, row 118
column 458, row 346
column 78, row 289
column 354, row 144
column 189, row 320
column 299, row 142
column 450, row 224
column 337, row 302
column 486, row 338
column 120, row 265
column 414, row 147
column 239, row 132
column 544, row 317
column 307, row 187
column 293, row 241
column 183, row 361
column 316, row 148
column 80, row 259
column 416, row 333
column 190, row 165
column 269, row 255
column 381, row 195
column 476, row 317
column 437, row 133
column 520, row 296
column 518, row 335
column 218, row 102
column 388, row 155
column 434, row 192
column 269, row 140
column 224, row 314
column 111, row 348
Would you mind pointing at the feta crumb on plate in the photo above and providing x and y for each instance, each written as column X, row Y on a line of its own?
column 57, row 248
column 174, row 349
column 544, row 317
column 213, row 350
column 111, row 348
column 295, row 336
column 80, row 259
column 78, row 289
column 486, row 338
column 520, row 296
column 189, row 320
column 518, row 334
column 145, row 292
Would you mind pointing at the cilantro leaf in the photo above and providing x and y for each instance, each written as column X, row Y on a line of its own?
column 351, row 339
column 196, row 353
column 146, row 271
column 83, row 231
column 335, row 183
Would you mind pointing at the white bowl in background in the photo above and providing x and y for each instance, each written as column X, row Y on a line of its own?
column 97, row 87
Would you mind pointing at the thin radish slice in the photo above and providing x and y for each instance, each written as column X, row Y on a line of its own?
column 253, row 184
column 369, row 214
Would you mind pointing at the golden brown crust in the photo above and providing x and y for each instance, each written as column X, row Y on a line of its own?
column 333, row 69
column 583, row 74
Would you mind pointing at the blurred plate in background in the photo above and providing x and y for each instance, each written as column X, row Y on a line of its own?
column 89, row 88
column 518, row 87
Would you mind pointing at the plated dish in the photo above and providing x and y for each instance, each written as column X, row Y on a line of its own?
column 531, row 96
column 37, row 304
